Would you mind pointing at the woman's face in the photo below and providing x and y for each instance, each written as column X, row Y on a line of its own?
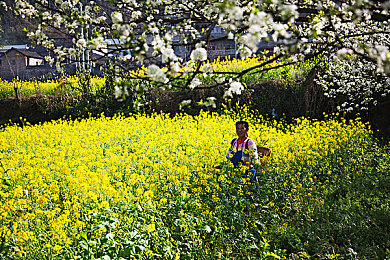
column 241, row 131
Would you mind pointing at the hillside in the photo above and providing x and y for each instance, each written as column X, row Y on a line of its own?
column 12, row 27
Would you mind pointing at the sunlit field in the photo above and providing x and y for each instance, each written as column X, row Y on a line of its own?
column 55, row 87
column 71, row 85
column 145, row 187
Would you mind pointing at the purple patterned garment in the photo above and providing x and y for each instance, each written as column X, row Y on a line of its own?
column 252, row 148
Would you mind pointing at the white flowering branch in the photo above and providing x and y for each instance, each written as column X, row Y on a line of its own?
column 171, row 38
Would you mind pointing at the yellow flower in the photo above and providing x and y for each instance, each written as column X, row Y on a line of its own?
column 42, row 200
column 148, row 194
column 57, row 249
column 150, row 228
column 149, row 253
column 68, row 171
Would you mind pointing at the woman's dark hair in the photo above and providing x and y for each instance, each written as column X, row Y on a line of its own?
column 245, row 123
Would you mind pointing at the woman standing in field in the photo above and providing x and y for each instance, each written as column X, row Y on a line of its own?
column 243, row 150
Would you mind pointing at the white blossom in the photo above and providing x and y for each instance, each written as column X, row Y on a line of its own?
column 235, row 88
column 332, row 28
column 99, row 43
column 157, row 74
column 175, row 68
column 235, row 13
column 194, row 83
column 344, row 51
column 199, row 54
column 185, row 103
column 289, row 11
column 49, row 59
column 353, row 78
column 136, row 14
column 207, row 68
column 154, row 30
column 220, row 79
column 118, row 92
column 81, row 44
column 210, row 102
column 168, row 54
column 245, row 52
column 280, row 30
column 4, row 6
column 250, row 40
column 117, row 17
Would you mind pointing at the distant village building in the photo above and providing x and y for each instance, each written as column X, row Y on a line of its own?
column 16, row 63
column 23, row 63
column 221, row 48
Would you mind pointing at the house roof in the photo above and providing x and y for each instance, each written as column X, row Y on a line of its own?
column 24, row 52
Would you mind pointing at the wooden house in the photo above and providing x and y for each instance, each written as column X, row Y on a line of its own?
column 14, row 63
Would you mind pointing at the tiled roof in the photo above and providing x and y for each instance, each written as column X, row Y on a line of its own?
column 26, row 53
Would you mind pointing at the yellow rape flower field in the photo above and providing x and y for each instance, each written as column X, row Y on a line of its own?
column 145, row 186
column 56, row 86
column 71, row 84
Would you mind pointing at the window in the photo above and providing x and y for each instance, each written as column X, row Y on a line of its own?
column 34, row 62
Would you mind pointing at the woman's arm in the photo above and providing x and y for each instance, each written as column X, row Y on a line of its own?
column 230, row 151
column 253, row 153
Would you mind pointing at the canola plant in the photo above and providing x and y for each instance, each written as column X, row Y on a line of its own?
column 70, row 85
column 145, row 186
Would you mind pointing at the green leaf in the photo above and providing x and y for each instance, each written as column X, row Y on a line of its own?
column 84, row 245
column 84, row 236
column 253, row 246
